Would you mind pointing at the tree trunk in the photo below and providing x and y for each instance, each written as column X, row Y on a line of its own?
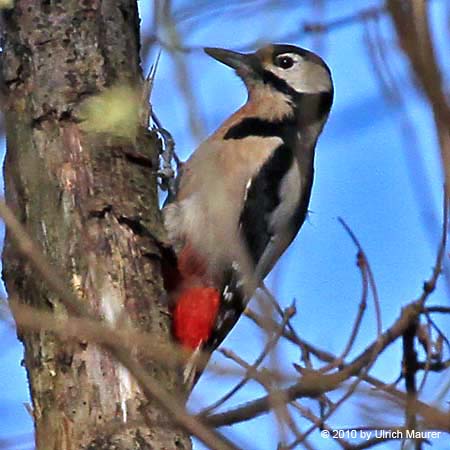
column 91, row 204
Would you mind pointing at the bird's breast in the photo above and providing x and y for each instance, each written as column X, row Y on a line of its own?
column 212, row 194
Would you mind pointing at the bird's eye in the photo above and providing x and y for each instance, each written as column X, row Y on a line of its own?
column 285, row 62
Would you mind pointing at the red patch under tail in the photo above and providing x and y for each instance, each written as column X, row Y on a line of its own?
column 194, row 315
column 195, row 302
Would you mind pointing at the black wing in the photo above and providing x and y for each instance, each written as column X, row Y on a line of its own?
column 262, row 198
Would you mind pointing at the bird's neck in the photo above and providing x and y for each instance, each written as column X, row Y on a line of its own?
column 269, row 112
column 269, row 104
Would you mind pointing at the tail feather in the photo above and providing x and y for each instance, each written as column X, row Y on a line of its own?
column 193, row 368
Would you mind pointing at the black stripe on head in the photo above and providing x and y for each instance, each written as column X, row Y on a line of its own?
column 308, row 107
column 280, row 85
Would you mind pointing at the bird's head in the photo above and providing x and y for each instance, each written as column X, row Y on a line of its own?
column 284, row 75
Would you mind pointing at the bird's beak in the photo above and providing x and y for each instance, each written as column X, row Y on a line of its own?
column 235, row 60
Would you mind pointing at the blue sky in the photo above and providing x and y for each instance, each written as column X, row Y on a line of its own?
column 386, row 184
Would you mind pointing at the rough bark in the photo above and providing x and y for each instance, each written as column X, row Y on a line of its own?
column 92, row 206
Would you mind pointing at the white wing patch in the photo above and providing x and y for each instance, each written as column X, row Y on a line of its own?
column 247, row 188
column 227, row 294
column 290, row 194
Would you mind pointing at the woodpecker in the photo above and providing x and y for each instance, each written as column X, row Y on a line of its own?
column 244, row 193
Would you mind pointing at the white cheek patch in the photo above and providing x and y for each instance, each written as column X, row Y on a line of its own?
column 304, row 76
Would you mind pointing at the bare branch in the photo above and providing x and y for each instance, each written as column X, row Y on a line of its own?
column 273, row 340
column 316, row 384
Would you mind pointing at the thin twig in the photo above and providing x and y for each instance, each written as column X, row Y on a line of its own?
column 289, row 328
column 427, row 344
column 314, row 384
column 305, row 412
column 278, row 332
column 362, row 265
column 437, row 309
column 277, row 399
column 430, row 285
column 434, row 325
column 372, row 283
column 409, row 364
